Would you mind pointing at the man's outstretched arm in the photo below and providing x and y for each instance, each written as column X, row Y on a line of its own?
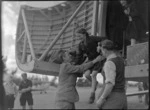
column 80, row 68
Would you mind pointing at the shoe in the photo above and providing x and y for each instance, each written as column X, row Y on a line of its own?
column 92, row 98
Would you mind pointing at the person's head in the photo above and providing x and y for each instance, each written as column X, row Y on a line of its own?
column 126, row 2
column 99, row 47
column 82, row 33
column 24, row 76
column 56, row 56
column 8, row 78
column 107, row 47
column 123, row 2
column 67, row 57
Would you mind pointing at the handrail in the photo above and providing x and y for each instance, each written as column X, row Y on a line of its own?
column 137, row 93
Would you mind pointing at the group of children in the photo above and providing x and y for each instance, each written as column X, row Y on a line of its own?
column 24, row 91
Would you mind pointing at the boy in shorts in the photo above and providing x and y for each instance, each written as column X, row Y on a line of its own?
column 25, row 88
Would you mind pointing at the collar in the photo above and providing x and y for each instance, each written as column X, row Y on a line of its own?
column 24, row 81
column 113, row 55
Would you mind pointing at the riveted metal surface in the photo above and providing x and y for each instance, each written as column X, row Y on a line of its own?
column 137, row 54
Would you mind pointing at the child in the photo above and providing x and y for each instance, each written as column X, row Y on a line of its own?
column 67, row 94
column 10, row 91
column 88, row 47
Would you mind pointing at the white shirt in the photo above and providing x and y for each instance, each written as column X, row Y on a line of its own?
column 10, row 88
column 110, row 69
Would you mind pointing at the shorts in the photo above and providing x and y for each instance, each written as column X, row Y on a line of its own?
column 10, row 101
column 24, row 99
column 64, row 105
column 98, row 66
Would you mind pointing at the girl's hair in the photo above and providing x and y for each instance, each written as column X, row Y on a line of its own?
column 82, row 31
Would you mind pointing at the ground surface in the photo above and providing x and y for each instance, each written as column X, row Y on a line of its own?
column 46, row 101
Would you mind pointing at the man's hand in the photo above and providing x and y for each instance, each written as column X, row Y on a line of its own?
column 100, row 102
column 130, row 18
column 25, row 90
column 127, row 11
column 15, row 95
column 99, row 58
column 22, row 91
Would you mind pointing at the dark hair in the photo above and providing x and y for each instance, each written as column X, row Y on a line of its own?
column 108, row 44
column 72, row 53
column 82, row 31
column 61, row 54
column 24, row 74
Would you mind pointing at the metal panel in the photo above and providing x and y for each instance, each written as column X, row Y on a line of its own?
column 137, row 54
column 137, row 72
column 46, row 68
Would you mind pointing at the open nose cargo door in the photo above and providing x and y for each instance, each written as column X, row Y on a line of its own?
column 42, row 32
